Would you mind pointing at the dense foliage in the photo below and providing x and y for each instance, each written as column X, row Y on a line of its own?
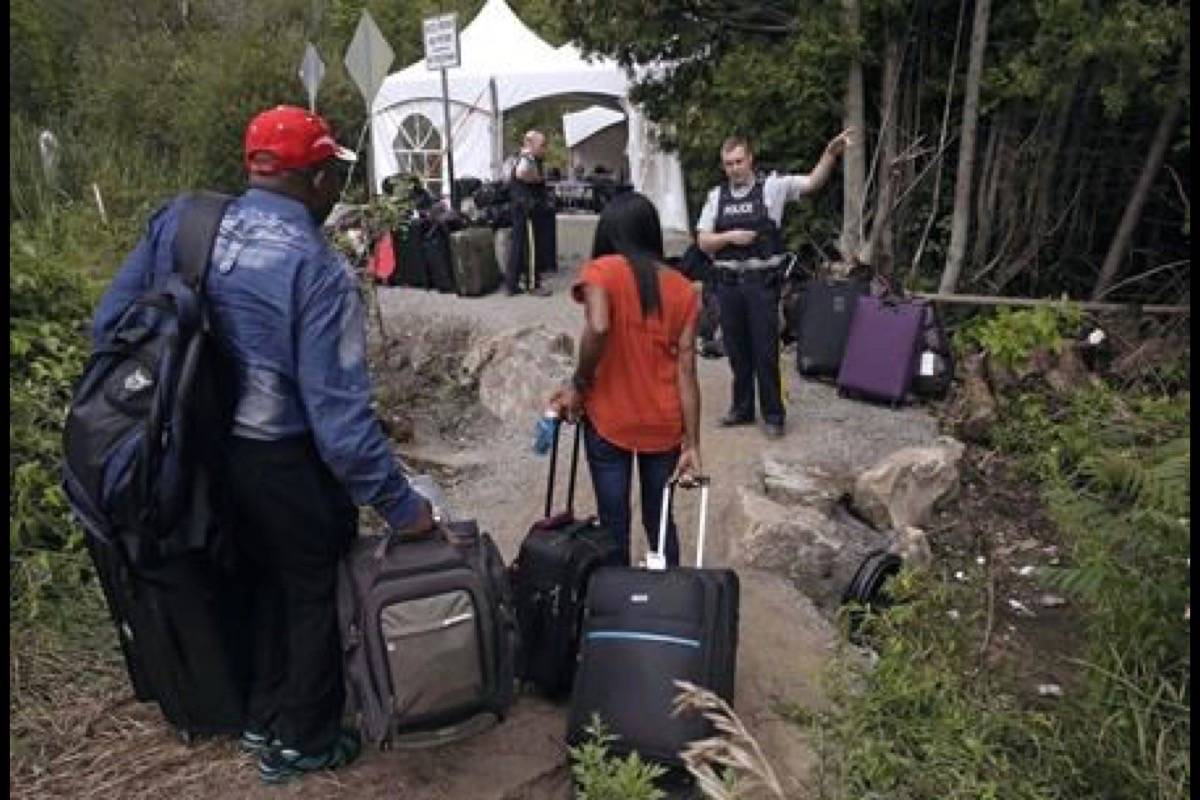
column 50, row 302
column 1071, row 98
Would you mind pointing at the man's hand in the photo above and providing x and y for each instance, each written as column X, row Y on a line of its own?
column 838, row 144
column 423, row 523
column 740, row 237
column 688, row 465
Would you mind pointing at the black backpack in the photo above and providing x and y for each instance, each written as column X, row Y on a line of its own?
column 150, row 410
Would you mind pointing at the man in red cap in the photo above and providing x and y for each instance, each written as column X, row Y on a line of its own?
column 305, row 447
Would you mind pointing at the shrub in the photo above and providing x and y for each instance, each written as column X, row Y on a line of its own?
column 51, row 297
column 601, row 776
column 1010, row 336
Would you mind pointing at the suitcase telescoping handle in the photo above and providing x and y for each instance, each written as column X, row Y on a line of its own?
column 554, row 465
column 657, row 560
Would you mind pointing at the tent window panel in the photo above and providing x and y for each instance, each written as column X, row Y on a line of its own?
column 418, row 148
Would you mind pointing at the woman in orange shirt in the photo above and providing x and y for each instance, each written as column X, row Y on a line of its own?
column 635, row 381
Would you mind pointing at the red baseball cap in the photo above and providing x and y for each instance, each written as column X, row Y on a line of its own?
column 289, row 137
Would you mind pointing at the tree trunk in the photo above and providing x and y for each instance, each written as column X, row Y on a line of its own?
column 854, row 167
column 1141, row 190
column 985, row 197
column 880, row 248
column 960, row 224
column 934, row 204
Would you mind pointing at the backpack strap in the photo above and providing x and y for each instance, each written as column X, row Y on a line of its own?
column 198, row 228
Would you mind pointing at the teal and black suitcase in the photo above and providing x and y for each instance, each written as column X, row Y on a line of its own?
column 643, row 630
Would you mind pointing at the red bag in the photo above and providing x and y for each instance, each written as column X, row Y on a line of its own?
column 383, row 260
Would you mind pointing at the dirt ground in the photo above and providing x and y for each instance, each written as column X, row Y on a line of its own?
column 110, row 747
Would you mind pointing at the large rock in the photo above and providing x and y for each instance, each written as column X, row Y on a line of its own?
column 904, row 487
column 818, row 486
column 812, row 549
column 517, row 370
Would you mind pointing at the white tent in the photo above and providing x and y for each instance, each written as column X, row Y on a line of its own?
column 581, row 125
column 504, row 65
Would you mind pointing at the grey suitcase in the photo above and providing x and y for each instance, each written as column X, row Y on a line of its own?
column 473, row 257
column 428, row 635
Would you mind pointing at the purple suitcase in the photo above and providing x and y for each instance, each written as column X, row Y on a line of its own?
column 881, row 349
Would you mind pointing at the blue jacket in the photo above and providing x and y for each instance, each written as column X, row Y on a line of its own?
column 287, row 307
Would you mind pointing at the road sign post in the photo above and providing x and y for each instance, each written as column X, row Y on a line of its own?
column 441, row 53
column 367, row 60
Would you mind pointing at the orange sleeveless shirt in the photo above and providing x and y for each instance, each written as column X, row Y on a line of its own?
column 634, row 398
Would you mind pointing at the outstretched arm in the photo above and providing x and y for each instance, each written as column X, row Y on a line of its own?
column 833, row 151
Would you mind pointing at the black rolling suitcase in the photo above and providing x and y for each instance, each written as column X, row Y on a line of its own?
column 412, row 265
column 181, row 628
column 822, row 317
column 549, row 580
column 438, row 258
column 645, row 628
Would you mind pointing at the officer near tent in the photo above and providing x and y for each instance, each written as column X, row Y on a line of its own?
column 532, row 249
column 739, row 227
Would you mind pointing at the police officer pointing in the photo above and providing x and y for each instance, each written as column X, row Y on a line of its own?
column 740, row 228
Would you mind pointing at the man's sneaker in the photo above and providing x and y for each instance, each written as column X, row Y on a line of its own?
column 281, row 764
column 541, row 291
column 774, row 430
column 255, row 742
column 712, row 350
column 731, row 420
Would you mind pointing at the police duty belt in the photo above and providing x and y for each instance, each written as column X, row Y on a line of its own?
column 751, row 264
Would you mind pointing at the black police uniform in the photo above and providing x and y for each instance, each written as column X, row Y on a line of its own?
column 532, row 217
column 749, row 300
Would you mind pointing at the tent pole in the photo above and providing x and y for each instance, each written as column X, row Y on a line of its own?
column 497, row 131
column 449, row 144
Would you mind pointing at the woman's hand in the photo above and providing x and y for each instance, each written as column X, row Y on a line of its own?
column 689, row 465
column 568, row 403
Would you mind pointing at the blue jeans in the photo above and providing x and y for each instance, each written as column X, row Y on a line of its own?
column 612, row 474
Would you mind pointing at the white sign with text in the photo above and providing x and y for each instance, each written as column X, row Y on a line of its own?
column 441, row 41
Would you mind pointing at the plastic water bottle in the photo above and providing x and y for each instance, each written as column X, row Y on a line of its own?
column 429, row 488
column 544, row 432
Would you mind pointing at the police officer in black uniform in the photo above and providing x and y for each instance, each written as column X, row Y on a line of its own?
column 740, row 228
column 532, row 250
